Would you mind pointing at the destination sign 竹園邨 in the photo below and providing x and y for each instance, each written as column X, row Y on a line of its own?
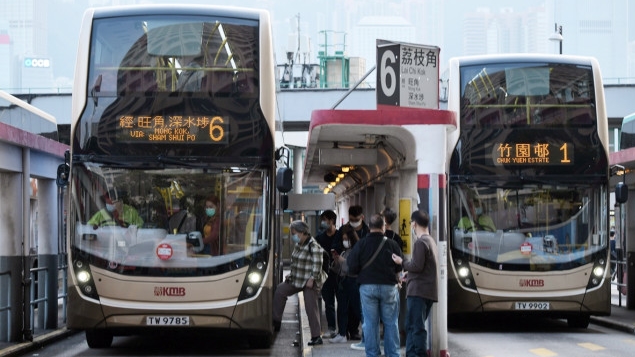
column 511, row 153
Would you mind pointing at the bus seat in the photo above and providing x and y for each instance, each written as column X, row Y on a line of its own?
column 181, row 222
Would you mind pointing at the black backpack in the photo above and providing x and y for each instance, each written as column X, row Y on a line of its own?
column 326, row 258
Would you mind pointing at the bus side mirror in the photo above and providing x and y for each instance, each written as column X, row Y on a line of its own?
column 284, row 179
column 621, row 192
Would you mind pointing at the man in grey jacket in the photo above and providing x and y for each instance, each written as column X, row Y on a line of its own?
column 422, row 284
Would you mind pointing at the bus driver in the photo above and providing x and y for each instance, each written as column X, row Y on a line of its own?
column 476, row 220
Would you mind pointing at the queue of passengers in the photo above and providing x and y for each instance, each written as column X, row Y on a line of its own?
column 364, row 274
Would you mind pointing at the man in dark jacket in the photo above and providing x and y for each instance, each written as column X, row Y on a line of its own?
column 327, row 238
column 378, row 280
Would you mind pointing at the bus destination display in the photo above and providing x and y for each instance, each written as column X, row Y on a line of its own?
column 172, row 129
column 510, row 153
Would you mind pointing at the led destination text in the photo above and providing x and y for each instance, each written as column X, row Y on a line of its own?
column 532, row 154
column 172, row 129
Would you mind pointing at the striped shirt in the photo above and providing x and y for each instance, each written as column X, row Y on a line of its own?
column 306, row 264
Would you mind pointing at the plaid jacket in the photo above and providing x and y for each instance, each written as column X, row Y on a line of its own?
column 305, row 265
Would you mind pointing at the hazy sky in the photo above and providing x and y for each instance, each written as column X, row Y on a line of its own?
column 338, row 15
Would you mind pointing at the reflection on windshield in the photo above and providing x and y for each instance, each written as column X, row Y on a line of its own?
column 159, row 222
column 536, row 225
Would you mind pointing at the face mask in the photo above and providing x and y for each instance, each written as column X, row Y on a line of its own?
column 347, row 244
column 295, row 238
column 324, row 224
column 355, row 224
column 210, row 212
column 110, row 207
column 479, row 211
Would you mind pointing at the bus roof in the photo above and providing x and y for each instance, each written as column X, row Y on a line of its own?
column 181, row 9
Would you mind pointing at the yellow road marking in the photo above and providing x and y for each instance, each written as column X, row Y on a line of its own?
column 630, row 341
column 591, row 346
column 543, row 352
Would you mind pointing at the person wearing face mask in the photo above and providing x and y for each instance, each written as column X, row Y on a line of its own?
column 349, row 309
column 356, row 223
column 359, row 229
column 475, row 219
column 306, row 275
column 211, row 227
column 327, row 238
column 115, row 213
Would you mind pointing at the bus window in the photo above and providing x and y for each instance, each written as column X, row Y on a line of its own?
column 627, row 137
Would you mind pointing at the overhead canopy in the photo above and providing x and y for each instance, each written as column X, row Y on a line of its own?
column 370, row 144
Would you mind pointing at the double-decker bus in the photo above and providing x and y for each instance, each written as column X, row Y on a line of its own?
column 529, row 187
column 173, row 114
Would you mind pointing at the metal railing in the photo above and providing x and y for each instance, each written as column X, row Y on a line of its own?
column 34, row 300
column 619, row 283
column 61, row 294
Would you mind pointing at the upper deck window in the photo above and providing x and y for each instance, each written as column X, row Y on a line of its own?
column 527, row 94
column 173, row 54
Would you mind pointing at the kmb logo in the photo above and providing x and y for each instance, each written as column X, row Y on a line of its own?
column 532, row 282
column 169, row 291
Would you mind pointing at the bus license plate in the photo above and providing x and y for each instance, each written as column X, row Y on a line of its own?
column 532, row 305
column 168, row 320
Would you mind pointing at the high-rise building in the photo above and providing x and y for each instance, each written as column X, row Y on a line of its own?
column 506, row 31
column 370, row 28
column 25, row 24
column 601, row 31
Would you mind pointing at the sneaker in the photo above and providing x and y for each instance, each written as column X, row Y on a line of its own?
column 361, row 346
column 315, row 341
column 338, row 339
column 330, row 333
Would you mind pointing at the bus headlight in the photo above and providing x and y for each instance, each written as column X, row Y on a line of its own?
column 83, row 276
column 598, row 271
column 463, row 272
column 254, row 278
column 85, row 279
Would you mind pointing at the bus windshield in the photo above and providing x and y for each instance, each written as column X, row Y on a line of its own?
column 538, row 226
column 159, row 223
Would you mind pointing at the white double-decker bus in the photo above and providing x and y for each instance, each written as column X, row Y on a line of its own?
column 529, row 187
column 173, row 114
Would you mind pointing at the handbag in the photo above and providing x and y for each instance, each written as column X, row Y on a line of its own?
column 375, row 254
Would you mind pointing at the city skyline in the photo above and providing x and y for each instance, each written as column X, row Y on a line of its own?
column 34, row 29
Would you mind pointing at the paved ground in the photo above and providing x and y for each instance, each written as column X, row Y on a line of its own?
column 621, row 318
